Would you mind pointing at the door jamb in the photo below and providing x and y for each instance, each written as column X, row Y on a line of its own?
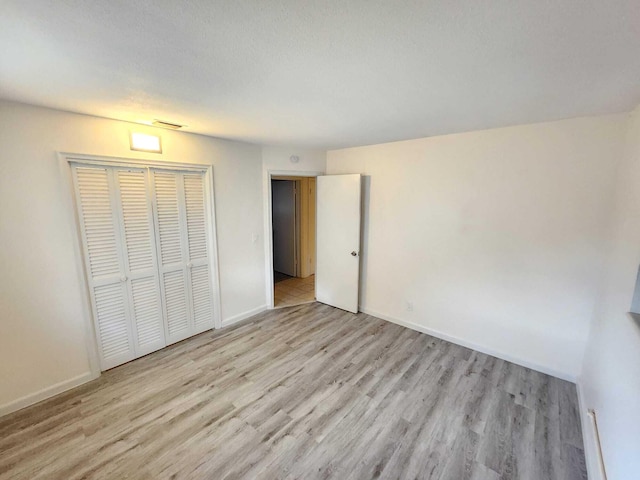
column 268, row 227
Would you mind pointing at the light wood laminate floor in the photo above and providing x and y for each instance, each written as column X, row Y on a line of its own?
column 302, row 393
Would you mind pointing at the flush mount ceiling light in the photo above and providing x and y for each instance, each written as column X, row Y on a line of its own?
column 144, row 142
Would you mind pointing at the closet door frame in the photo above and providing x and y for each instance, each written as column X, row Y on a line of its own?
column 65, row 161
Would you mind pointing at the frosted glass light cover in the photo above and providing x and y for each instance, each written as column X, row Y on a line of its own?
column 145, row 143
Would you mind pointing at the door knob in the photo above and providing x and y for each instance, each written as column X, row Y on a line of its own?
column 123, row 278
column 354, row 254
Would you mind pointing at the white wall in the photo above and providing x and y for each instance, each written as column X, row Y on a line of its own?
column 496, row 237
column 610, row 379
column 42, row 326
column 277, row 160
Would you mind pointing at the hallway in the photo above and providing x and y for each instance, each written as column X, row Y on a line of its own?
column 292, row 290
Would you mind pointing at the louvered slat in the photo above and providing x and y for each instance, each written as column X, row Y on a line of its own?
column 201, row 298
column 168, row 216
column 97, row 217
column 147, row 314
column 196, row 215
column 175, row 297
column 113, row 325
column 135, row 215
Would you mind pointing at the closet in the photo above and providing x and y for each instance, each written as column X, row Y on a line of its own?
column 145, row 234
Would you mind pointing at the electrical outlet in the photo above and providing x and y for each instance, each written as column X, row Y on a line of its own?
column 408, row 306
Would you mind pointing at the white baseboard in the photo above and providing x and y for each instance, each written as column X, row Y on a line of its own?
column 243, row 316
column 45, row 393
column 65, row 385
column 474, row 346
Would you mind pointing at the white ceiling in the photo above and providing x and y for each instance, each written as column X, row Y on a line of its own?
column 328, row 73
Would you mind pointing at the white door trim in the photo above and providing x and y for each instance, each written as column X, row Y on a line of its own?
column 65, row 159
column 268, row 227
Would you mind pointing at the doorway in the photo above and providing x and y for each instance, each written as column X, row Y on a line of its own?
column 293, row 222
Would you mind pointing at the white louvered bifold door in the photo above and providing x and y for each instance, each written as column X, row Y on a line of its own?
column 184, row 260
column 104, row 263
column 198, row 256
column 138, row 239
column 114, row 206
column 145, row 235
column 171, row 245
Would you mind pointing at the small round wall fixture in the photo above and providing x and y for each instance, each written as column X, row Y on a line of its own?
column 294, row 159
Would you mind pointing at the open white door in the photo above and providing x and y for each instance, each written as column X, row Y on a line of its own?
column 338, row 241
